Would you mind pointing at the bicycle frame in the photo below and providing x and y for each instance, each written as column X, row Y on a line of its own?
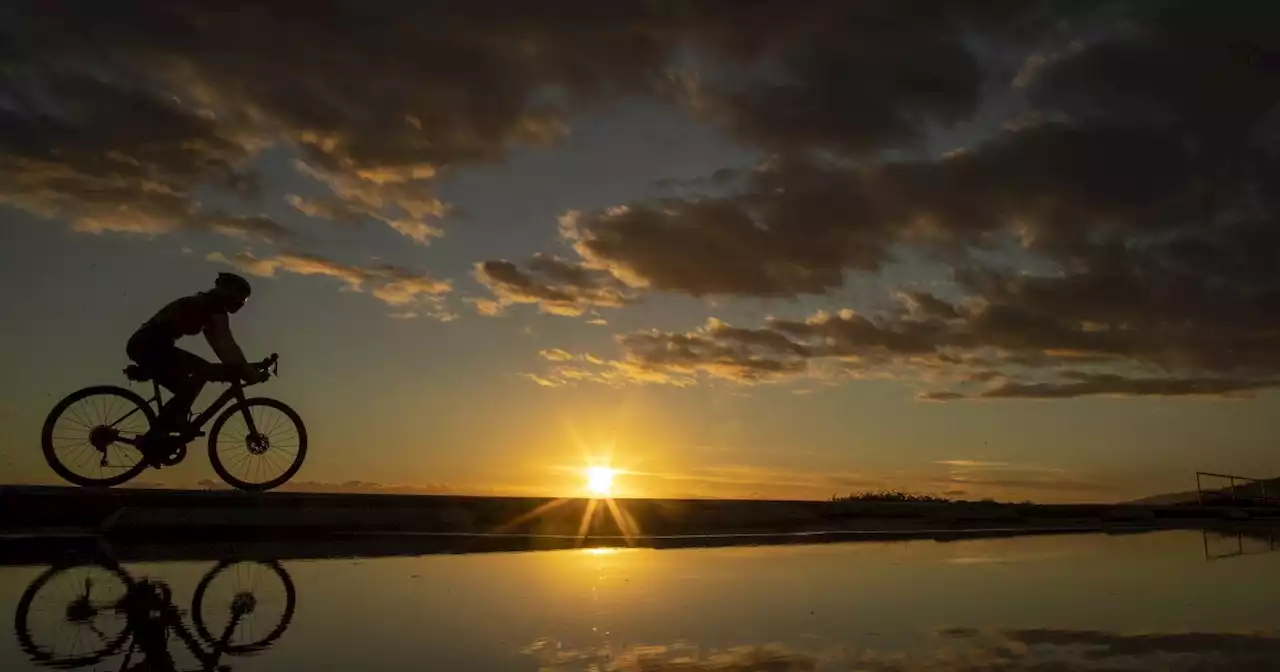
column 235, row 392
column 152, row 643
column 171, row 618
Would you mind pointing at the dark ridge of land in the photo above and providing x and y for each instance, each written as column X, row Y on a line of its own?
column 1262, row 491
column 185, row 515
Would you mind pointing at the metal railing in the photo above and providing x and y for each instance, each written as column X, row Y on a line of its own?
column 1200, row 492
column 1261, row 544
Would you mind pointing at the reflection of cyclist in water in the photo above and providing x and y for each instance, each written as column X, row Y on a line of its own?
column 146, row 604
column 153, row 347
column 76, row 616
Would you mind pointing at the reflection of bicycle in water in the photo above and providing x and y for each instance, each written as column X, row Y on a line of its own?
column 96, row 436
column 72, row 617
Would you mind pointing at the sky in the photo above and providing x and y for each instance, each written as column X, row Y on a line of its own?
column 1020, row 250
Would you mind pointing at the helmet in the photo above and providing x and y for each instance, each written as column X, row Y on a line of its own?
column 233, row 283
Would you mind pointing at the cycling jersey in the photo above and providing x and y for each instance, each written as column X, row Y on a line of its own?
column 187, row 316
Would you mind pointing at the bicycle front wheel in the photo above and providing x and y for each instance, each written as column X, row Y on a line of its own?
column 90, row 438
column 257, row 444
column 243, row 607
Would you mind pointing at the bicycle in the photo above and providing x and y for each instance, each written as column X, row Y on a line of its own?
column 107, row 607
column 90, row 423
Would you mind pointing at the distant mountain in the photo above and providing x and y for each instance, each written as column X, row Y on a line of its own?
column 1252, row 490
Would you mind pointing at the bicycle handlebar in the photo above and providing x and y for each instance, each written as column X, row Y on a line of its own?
column 226, row 373
column 270, row 364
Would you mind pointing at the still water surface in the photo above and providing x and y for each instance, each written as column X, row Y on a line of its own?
column 1179, row 600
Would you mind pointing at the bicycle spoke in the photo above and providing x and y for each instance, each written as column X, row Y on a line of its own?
column 111, row 408
column 280, row 420
column 106, row 407
column 80, row 450
column 238, row 465
column 74, row 412
column 95, row 411
column 283, row 431
column 271, row 459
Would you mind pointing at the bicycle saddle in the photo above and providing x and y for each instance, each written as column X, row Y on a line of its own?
column 135, row 372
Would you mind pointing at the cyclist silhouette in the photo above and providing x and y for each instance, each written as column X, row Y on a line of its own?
column 153, row 347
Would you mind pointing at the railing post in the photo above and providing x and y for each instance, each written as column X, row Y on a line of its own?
column 1199, row 492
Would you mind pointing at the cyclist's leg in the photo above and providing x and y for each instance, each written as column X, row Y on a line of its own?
column 184, row 374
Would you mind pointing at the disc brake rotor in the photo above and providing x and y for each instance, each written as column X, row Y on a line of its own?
column 243, row 603
column 257, row 443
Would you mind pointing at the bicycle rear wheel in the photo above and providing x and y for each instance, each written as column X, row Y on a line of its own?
column 90, row 437
column 257, row 444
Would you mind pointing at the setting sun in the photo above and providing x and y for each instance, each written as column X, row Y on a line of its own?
column 600, row 480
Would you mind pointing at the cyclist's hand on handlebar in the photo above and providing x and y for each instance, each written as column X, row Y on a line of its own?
column 251, row 373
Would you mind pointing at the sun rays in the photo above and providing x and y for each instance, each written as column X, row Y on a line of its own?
column 600, row 485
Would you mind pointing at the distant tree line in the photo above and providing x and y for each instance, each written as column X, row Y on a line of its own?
column 890, row 496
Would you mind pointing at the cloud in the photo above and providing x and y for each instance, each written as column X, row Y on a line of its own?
column 399, row 197
column 372, row 487
column 972, row 464
column 556, row 656
column 1011, row 650
column 554, row 286
column 1002, row 347
column 798, row 225
column 181, row 96
column 1120, row 232
column 105, row 113
column 111, row 194
column 746, row 477
column 848, row 78
column 977, row 480
column 110, row 155
column 1112, row 211
column 1113, row 385
column 394, row 286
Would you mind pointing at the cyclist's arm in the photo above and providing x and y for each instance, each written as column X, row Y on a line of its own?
column 218, row 333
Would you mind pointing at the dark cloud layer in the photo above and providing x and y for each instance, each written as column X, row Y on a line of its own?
column 1120, row 238
column 129, row 111
column 987, row 350
column 1122, row 162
